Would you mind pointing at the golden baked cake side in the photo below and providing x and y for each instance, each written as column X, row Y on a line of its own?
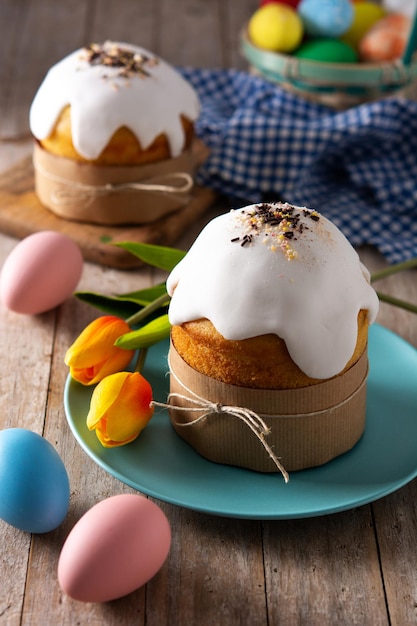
column 261, row 362
column 123, row 148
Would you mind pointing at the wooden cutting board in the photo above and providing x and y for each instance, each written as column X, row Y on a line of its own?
column 21, row 214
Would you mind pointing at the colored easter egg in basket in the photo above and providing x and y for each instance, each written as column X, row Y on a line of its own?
column 327, row 50
column 386, row 40
column 114, row 548
column 40, row 273
column 291, row 3
column 326, row 18
column 34, row 484
column 275, row 27
column 365, row 15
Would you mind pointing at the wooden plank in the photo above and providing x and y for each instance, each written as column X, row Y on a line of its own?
column 48, row 31
column 189, row 33
column 21, row 214
column 232, row 23
column 195, row 585
column 89, row 484
column 126, row 21
column 214, row 574
column 13, row 566
column 11, row 18
column 12, row 152
column 396, row 516
column 324, row 570
column 325, row 567
column 396, row 522
column 25, row 367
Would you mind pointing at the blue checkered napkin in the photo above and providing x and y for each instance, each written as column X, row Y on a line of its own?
column 358, row 167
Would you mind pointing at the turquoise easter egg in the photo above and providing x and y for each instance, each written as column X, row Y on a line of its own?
column 34, row 485
column 325, row 18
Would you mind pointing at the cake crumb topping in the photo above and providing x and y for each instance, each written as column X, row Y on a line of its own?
column 129, row 62
column 279, row 223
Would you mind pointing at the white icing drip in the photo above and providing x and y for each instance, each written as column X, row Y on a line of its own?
column 309, row 293
column 147, row 105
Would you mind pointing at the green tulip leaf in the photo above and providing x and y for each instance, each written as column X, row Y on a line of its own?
column 124, row 305
column 145, row 337
column 145, row 296
column 162, row 257
column 111, row 305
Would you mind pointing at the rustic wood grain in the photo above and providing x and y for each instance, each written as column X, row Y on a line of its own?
column 214, row 574
column 356, row 567
column 25, row 368
column 232, row 21
column 396, row 527
column 132, row 22
column 89, row 484
column 315, row 568
column 21, row 214
column 31, row 25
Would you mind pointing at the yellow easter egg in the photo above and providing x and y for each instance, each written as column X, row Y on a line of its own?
column 365, row 15
column 275, row 27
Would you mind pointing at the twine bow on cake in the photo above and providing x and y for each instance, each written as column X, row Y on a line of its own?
column 174, row 184
column 248, row 417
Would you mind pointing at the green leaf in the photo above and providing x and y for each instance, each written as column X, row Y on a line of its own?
column 157, row 330
column 124, row 305
column 161, row 257
column 112, row 305
column 145, row 296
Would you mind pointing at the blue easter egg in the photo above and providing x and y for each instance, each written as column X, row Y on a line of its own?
column 326, row 18
column 34, row 485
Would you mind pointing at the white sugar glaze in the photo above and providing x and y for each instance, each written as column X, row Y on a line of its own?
column 307, row 289
column 102, row 101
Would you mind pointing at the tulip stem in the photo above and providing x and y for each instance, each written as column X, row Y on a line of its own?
column 148, row 309
column 396, row 302
column 393, row 269
column 140, row 361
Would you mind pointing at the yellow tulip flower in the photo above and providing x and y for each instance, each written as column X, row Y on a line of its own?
column 120, row 408
column 93, row 355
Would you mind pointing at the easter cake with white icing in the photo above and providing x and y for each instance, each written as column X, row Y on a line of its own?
column 112, row 119
column 271, row 308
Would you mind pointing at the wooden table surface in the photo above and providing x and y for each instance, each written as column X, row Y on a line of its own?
column 355, row 567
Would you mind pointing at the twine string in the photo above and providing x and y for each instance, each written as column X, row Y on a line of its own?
column 251, row 419
column 254, row 421
column 248, row 417
column 68, row 191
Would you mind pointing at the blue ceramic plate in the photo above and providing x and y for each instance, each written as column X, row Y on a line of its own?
column 162, row 465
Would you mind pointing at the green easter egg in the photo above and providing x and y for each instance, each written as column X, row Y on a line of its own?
column 327, row 50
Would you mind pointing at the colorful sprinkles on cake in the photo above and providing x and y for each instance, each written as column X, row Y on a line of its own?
column 279, row 223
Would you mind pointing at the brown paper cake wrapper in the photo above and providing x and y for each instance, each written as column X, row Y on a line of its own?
column 307, row 426
column 112, row 194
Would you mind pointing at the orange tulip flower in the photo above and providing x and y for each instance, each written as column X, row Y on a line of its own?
column 93, row 355
column 120, row 408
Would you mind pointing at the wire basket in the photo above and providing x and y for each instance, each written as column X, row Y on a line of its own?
column 340, row 85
